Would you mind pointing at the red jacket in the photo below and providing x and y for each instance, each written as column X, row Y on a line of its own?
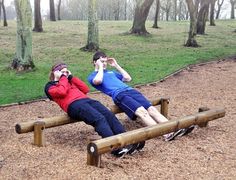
column 65, row 91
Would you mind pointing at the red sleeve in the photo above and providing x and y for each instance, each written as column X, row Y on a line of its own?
column 60, row 89
column 80, row 85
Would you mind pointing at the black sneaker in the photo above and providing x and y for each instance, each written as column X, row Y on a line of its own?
column 120, row 152
column 186, row 131
column 140, row 145
column 173, row 135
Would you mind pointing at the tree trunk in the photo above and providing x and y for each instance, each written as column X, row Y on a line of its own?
column 92, row 41
column 4, row 14
column 219, row 4
column 202, row 16
column 191, row 42
column 37, row 17
column 155, row 25
column 212, row 13
column 125, row 13
column 0, row 9
column 140, row 17
column 59, row 10
column 175, row 10
column 232, row 2
column 52, row 10
column 23, row 60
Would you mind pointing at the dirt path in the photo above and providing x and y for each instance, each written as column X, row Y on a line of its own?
column 207, row 153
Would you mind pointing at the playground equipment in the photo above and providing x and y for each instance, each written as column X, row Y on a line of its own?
column 38, row 126
column 98, row 147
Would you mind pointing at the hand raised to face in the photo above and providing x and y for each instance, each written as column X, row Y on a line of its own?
column 57, row 75
column 111, row 61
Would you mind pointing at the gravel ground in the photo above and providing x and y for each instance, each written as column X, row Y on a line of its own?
column 207, row 153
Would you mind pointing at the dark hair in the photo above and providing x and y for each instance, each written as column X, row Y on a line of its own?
column 98, row 54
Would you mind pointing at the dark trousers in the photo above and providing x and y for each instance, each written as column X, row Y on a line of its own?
column 92, row 112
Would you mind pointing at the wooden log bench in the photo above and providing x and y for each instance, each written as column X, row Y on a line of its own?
column 39, row 126
column 98, row 147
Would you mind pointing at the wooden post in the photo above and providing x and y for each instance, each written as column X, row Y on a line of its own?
column 164, row 107
column 39, row 138
column 28, row 126
column 202, row 109
column 93, row 160
column 104, row 145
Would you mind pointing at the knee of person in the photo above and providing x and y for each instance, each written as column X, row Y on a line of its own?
column 141, row 111
column 152, row 109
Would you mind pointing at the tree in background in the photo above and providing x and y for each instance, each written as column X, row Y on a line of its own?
column 219, row 5
column 166, row 8
column 59, row 10
column 0, row 9
column 23, row 60
column 202, row 16
column 37, row 17
column 52, row 10
column 92, row 40
column 140, row 17
column 212, row 12
column 4, row 14
column 232, row 2
column 193, row 9
column 157, row 12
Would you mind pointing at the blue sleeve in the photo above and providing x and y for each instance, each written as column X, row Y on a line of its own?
column 90, row 78
column 118, row 75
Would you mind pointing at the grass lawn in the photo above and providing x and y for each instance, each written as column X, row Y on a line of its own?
column 147, row 59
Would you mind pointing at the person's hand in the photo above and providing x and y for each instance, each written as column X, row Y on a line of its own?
column 99, row 63
column 69, row 73
column 57, row 75
column 112, row 62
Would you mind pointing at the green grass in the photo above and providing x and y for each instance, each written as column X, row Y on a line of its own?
column 147, row 59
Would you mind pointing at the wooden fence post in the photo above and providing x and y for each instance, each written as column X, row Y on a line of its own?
column 39, row 138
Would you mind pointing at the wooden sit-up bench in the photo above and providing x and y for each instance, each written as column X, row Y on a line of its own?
column 98, row 147
column 38, row 126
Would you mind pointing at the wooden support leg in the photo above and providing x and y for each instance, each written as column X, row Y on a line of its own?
column 164, row 107
column 202, row 109
column 92, row 159
column 39, row 138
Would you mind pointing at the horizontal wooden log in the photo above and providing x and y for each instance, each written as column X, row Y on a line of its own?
column 104, row 145
column 28, row 126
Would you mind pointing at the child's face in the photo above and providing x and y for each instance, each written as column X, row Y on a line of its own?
column 65, row 71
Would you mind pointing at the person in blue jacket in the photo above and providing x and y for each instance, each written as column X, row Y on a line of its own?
column 131, row 101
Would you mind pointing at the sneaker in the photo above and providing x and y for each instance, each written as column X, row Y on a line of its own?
column 173, row 135
column 186, row 131
column 140, row 145
column 136, row 147
column 120, row 152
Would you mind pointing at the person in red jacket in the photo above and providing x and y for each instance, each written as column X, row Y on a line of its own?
column 70, row 93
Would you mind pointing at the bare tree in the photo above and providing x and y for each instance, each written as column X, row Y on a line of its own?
column 175, row 10
column 59, row 10
column 4, row 14
column 140, row 17
column 157, row 12
column 202, row 16
column 0, row 9
column 232, row 2
column 212, row 12
column 193, row 9
column 52, row 10
column 167, row 7
column 37, row 17
column 92, row 40
column 23, row 60
column 219, row 5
